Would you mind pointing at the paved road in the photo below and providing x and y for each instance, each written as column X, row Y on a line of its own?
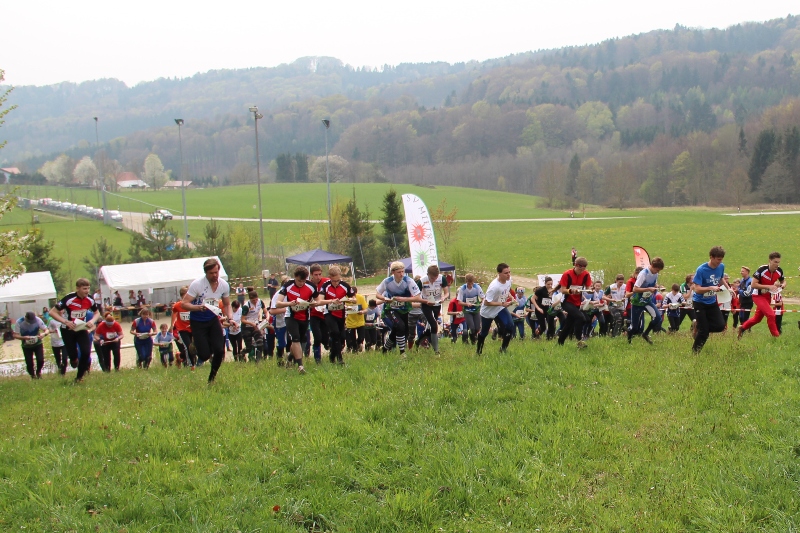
column 135, row 221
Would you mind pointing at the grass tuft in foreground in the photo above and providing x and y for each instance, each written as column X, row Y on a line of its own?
column 609, row 438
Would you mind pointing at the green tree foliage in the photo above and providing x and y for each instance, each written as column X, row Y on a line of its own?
column 13, row 246
column 215, row 242
column 763, row 154
column 157, row 243
column 284, row 172
column 360, row 243
column 571, row 183
column 300, row 167
column 41, row 259
column 244, row 251
column 394, row 225
column 101, row 253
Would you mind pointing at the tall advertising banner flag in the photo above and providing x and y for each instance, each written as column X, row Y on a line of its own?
column 641, row 257
column 421, row 241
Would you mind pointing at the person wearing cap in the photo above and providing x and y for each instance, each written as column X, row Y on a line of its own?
column 31, row 330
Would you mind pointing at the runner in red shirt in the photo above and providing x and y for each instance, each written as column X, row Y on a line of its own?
column 108, row 335
column 768, row 280
column 334, row 291
column 182, row 331
column 456, row 311
column 319, row 327
column 573, row 281
column 297, row 296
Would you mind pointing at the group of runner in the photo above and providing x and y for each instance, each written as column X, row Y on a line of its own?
column 310, row 307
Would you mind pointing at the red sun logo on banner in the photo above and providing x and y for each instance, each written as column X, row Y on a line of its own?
column 418, row 233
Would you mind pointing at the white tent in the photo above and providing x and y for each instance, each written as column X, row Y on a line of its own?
column 160, row 281
column 30, row 292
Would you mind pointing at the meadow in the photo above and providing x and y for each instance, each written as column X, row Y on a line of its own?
column 616, row 437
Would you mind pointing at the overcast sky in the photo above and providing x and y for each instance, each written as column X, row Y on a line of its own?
column 47, row 42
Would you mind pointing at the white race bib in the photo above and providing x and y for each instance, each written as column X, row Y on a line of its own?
column 471, row 301
column 336, row 306
column 111, row 335
column 211, row 301
column 81, row 314
column 320, row 309
column 547, row 301
column 32, row 341
column 397, row 305
column 185, row 316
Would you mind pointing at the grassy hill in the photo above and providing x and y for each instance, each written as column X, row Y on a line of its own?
column 613, row 438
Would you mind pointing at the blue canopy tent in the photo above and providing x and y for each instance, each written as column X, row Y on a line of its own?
column 320, row 257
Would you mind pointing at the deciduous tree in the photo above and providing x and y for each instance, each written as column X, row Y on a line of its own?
column 101, row 253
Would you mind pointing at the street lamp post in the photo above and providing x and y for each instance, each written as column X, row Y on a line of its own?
column 179, row 122
column 328, row 177
column 102, row 177
column 256, row 117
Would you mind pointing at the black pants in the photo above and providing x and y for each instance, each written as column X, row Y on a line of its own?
column 183, row 347
column 397, row 323
column 687, row 312
column 60, row 355
column 355, row 339
column 335, row 327
column 75, row 341
column 547, row 325
column 674, row 323
column 249, row 349
column 209, row 341
column 105, row 356
column 236, row 343
column 573, row 324
column 709, row 320
column 370, row 337
column 319, row 330
column 29, row 353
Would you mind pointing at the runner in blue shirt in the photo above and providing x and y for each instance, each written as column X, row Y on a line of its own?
column 705, row 285
column 397, row 292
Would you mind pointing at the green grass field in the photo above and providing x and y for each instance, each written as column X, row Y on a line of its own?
column 681, row 236
column 611, row 438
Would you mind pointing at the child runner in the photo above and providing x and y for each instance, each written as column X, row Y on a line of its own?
column 673, row 301
column 164, row 340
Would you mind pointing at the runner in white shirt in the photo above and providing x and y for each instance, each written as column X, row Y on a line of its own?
column 434, row 291
column 206, row 315
column 494, row 309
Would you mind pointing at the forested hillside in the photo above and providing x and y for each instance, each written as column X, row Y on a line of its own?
column 683, row 116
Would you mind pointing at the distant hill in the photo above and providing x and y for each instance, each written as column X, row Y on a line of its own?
column 665, row 117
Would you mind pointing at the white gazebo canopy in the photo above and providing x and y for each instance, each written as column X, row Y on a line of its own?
column 158, row 280
column 30, row 292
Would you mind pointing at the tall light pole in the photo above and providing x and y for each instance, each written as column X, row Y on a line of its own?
column 256, row 117
column 328, row 177
column 102, row 177
column 179, row 122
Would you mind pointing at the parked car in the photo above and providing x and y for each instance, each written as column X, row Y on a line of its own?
column 165, row 214
column 116, row 216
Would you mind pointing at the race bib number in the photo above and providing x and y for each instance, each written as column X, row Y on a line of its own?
column 336, row 306
column 646, row 295
column 320, row 309
column 111, row 336
column 471, row 301
column 211, row 301
column 547, row 301
column 79, row 314
column 33, row 341
column 185, row 316
column 460, row 314
column 397, row 305
column 433, row 294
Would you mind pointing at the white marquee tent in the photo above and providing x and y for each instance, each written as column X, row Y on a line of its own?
column 159, row 281
column 30, row 292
